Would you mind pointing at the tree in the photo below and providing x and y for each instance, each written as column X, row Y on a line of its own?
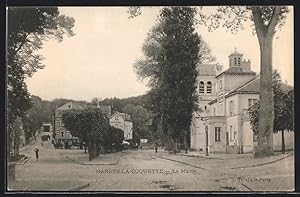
column 113, row 138
column 89, row 124
column 267, row 20
column 283, row 110
column 39, row 113
column 171, row 56
column 27, row 29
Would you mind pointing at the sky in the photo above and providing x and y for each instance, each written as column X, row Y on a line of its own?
column 98, row 60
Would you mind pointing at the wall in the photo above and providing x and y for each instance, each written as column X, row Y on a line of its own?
column 288, row 139
column 128, row 130
column 198, row 140
column 217, row 147
column 244, row 101
column 117, row 121
column 247, row 137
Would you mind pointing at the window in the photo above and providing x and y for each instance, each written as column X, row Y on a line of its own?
column 231, row 108
column 218, row 134
column 209, row 87
column 235, row 61
column 220, row 84
column 205, row 107
column 251, row 102
column 201, row 87
column 230, row 133
column 62, row 134
column 239, row 61
column 235, row 134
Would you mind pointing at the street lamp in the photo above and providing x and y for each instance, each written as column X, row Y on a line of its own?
column 206, row 134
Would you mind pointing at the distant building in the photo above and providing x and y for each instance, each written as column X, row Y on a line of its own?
column 122, row 121
column 222, row 122
column 105, row 109
column 62, row 135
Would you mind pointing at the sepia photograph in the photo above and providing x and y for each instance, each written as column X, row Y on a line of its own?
column 150, row 99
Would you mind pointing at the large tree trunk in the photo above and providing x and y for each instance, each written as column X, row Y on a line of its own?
column 266, row 116
column 282, row 142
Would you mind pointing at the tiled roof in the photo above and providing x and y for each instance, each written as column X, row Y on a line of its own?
column 251, row 87
column 70, row 105
column 125, row 116
column 237, row 70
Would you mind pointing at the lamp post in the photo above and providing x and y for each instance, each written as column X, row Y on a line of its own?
column 206, row 135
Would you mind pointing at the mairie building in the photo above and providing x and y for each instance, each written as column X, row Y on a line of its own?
column 221, row 122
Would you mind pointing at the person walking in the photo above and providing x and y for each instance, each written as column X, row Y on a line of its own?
column 36, row 150
column 156, row 147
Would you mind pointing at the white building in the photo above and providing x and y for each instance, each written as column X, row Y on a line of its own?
column 221, row 122
column 122, row 121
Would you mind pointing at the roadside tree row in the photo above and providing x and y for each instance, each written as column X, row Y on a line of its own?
column 92, row 127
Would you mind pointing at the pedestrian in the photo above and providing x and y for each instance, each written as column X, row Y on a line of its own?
column 156, row 147
column 36, row 150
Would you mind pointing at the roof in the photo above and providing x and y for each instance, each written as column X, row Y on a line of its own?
column 235, row 70
column 70, row 105
column 235, row 53
column 250, row 87
column 124, row 115
column 207, row 69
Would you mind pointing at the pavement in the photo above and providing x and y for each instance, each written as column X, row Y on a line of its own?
column 46, row 185
column 78, row 156
column 145, row 170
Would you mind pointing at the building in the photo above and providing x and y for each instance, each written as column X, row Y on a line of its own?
column 62, row 135
column 122, row 121
column 105, row 109
column 222, row 122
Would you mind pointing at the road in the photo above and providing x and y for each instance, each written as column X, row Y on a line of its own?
column 145, row 170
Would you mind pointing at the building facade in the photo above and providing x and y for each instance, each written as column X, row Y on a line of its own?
column 122, row 121
column 221, row 123
column 62, row 135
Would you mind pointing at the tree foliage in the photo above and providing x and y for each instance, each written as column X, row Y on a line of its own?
column 113, row 137
column 171, row 53
column 283, row 108
column 89, row 124
column 266, row 20
column 27, row 29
